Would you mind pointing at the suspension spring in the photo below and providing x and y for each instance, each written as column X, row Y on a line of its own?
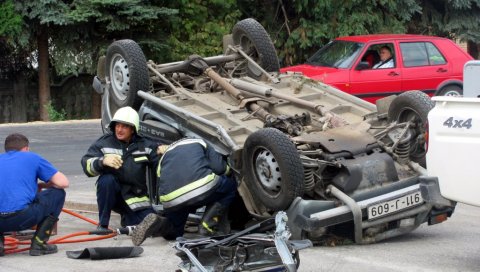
column 403, row 152
column 309, row 179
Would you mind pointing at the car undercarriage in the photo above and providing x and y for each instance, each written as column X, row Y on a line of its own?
column 337, row 165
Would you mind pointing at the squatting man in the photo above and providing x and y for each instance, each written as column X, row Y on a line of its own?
column 189, row 175
column 121, row 159
column 24, row 203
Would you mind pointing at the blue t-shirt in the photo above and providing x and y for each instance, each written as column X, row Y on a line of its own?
column 19, row 171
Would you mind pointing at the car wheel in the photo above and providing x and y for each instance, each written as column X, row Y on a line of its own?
column 413, row 106
column 255, row 41
column 451, row 90
column 273, row 169
column 127, row 72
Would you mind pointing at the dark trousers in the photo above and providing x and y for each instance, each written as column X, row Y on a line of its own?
column 47, row 202
column 224, row 194
column 109, row 198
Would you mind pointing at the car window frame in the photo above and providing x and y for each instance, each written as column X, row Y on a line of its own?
column 439, row 51
column 376, row 46
column 410, row 53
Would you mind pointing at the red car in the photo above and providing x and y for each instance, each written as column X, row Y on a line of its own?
column 433, row 65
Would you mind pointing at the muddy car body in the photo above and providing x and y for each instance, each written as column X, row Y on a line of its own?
column 332, row 161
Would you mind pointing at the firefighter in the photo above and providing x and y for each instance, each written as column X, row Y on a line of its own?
column 190, row 175
column 120, row 159
column 22, row 204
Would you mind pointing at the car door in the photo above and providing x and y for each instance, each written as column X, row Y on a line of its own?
column 424, row 66
column 372, row 84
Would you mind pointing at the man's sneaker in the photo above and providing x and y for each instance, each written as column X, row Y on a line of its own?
column 150, row 224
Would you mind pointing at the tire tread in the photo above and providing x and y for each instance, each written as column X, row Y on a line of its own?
column 137, row 66
column 260, row 38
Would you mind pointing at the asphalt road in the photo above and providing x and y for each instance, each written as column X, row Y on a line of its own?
column 62, row 143
column 451, row 246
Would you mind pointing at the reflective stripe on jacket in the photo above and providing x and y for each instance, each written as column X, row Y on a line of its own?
column 138, row 203
column 136, row 156
column 188, row 171
column 193, row 190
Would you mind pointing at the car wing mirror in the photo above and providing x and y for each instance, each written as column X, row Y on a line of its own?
column 363, row 65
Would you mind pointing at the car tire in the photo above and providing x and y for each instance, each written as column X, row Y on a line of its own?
column 273, row 169
column 255, row 41
column 413, row 106
column 451, row 90
column 127, row 71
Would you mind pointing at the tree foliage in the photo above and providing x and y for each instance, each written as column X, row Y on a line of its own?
column 77, row 32
column 10, row 21
column 170, row 30
column 81, row 29
column 11, row 26
column 70, row 34
column 303, row 26
column 455, row 19
column 200, row 26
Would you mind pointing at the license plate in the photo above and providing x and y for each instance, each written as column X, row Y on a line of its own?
column 395, row 205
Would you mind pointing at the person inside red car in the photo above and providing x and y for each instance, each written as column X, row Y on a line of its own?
column 386, row 59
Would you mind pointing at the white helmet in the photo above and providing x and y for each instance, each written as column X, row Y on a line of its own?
column 125, row 115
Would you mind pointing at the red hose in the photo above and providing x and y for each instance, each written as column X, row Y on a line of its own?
column 12, row 243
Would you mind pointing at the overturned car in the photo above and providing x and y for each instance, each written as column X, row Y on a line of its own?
column 336, row 164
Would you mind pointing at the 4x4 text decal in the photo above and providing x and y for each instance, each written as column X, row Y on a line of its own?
column 458, row 123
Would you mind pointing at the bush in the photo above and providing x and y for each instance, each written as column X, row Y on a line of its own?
column 55, row 115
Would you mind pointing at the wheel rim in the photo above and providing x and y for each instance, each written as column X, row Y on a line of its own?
column 267, row 171
column 247, row 46
column 120, row 77
column 409, row 114
column 451, row 93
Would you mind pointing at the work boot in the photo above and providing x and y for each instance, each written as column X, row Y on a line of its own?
column 39, row 244
column 212, row 219
column 102, row 230
column 152, row 223
column 2, row 245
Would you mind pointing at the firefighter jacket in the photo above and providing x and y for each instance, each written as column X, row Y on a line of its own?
column 188, row 172
column 136, row 156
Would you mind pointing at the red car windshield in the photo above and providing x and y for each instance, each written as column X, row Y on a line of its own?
column 336, row 54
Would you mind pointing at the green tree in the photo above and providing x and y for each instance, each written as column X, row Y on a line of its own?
column 200, row 26
column 10, row 21
column 456, row 19
column 70, row 34
column 301, row 27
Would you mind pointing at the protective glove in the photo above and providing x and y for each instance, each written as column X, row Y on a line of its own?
column 161, row 149
column 112, row 160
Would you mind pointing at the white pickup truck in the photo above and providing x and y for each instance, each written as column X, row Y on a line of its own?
column 454, row 136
